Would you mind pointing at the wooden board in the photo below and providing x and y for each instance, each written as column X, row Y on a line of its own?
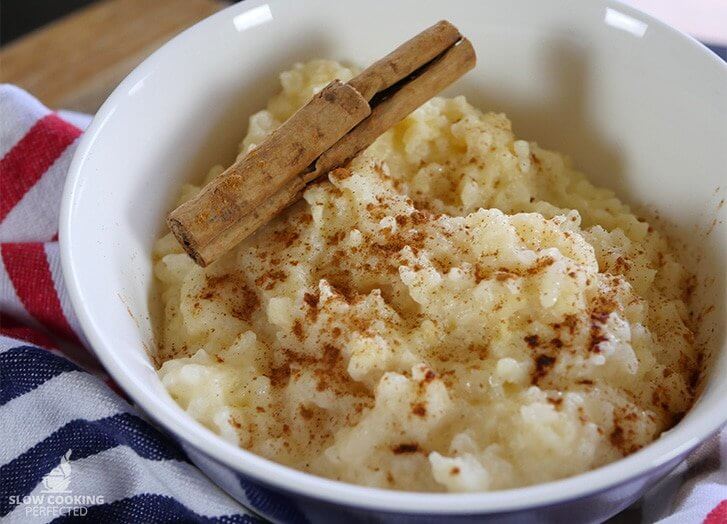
column 75, row 62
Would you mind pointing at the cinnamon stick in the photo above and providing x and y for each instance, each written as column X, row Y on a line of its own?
column 437, row 75
column 210, row 224
column 405, row 59
column 258, row 217
column 325, row 133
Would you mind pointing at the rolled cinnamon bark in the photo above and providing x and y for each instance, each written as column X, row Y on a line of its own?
column 405, row 59
column 325, row 133
column 252, row 221
column 435, row 76
column 213, row 221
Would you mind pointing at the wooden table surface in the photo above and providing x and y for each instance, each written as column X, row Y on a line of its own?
column 75, row 62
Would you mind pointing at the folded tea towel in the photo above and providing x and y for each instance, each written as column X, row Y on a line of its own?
column 71, row 446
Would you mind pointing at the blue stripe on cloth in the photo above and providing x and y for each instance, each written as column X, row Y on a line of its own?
column 84, row 438
column 271, row 504
column 719, row 50
column 152, row 509
column 24, row 368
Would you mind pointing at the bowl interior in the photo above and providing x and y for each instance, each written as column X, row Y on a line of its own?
column 639, row 107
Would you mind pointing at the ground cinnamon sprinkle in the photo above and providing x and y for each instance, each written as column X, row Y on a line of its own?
column 597, row 332
column 331, row 356
column 268, row 280
column 311, row 299
column 405, row 448
column 543, row 363
column 502, row 276
column 246, row 304
column 286, row 237
column 555, row 401
column 620, row 439
column 480, row 273
column 306, row 413
column 539, row 265
column 279, row 375
column 336, row 238
column 241, row 300
column 298, row 329
column 533, row 341
column 340, row 174
column 419, row 409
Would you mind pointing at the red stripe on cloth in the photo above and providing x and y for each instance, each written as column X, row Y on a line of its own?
column 718, row 515
column 26, row 162
column 28, row 269
column 10, row 327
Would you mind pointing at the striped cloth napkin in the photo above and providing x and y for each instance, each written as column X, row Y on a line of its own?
column 71, row 446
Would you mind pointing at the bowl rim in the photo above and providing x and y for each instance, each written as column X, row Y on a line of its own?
column 670, row 446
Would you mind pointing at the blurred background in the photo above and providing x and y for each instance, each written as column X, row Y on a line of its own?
column 72, row 53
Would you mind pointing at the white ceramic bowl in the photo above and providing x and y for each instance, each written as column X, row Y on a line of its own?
column 640, row 107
